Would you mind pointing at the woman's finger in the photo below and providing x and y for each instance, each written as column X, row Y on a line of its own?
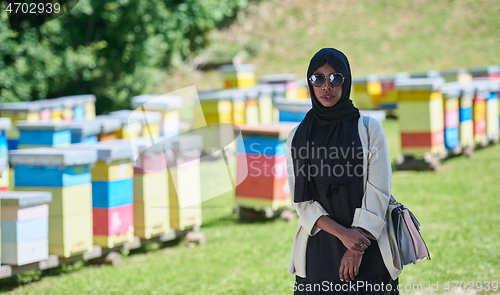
column 351, row 271
column 341, row 271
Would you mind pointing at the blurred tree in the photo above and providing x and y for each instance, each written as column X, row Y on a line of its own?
column 114, row 49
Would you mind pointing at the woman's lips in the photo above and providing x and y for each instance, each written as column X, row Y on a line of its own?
column 327, row 97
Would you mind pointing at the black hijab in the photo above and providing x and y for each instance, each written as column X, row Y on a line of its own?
column 342, row 113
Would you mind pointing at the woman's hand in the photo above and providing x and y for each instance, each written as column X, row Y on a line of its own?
column 353, row 238
column 349, row 265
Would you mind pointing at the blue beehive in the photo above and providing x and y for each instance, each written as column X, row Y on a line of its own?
column 451, row 94
column 43, row 134
column 262, row 146
column 85, row 132
column 292, row 111
column 5, row 124
column 65, row 173
column 110, row 189
column 45, row 167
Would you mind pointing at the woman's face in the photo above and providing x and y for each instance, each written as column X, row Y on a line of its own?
column 328, row 95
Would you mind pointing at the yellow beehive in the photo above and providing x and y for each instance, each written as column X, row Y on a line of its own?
column 241, row 76
column 184, row 188
column 451, row 104
column 129, row 131
column 20, row 111
column 167, row 106
column 184, row 182
column 110, row 242
column 366, row 92
column 303, row 89
column 492, row 117
column 149, row 121
column 70, row 235
column 150, row 186
column 421, row 115
column 70, row 218
column 89, row 108
column 252, row 112
column 151, row 216
column 238, row 108
column 66, row 201
column 466, row 133
column 265, row 104
column 112, row 170
column 479, row 113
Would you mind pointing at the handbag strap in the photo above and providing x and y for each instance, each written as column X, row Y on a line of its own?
column 392, row 200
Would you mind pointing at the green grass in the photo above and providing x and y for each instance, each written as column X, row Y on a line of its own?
column 457, row 207
column 383, row 36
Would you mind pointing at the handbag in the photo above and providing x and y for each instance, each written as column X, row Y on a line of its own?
column 411, row 245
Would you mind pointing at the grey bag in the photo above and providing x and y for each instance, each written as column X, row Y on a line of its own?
column 411, row 245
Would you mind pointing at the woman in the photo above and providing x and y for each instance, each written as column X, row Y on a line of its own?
column 339, row 173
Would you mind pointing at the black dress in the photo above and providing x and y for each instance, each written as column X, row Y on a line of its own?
column 325, row 251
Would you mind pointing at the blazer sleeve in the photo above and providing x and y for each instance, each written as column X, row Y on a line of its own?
column 309, row 211
column 371, row 215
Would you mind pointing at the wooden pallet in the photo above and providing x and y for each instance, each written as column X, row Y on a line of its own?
column 98, row 255
column 419, row 164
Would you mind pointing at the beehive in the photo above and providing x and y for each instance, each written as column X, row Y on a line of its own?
column 261, row 167
column 112, row 193
column 389, row 95
column 70, row 212
column 109, row 127
column 421, row 116
column 167, row 105
column 303, row 89
column 265, row 104
column 366, row 92
column 43, row 134
column 292, row 111
column 451, row 106
column 150, row 121
column 240, row 76
column 19, row 111
column 289, row 81
column 184, row 181
column 151, row 199
column 479, row 112
column 490, row 89
column 24, row 227
column 85, row 131
column 252, row 106
column 5, row 125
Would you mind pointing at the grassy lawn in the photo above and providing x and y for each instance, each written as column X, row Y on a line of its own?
column 383, row 36
column 457, row 208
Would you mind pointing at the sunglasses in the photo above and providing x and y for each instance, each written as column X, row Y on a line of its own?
column 318, row 80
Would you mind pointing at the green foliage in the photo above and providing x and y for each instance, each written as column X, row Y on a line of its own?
column 113, row 49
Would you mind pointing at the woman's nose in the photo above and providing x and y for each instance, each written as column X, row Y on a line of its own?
column 327, row 84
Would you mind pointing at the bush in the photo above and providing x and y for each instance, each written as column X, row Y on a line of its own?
column 113, row 49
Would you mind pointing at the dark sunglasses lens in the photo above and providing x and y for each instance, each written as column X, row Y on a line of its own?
column 336, row 79
column 317, row 80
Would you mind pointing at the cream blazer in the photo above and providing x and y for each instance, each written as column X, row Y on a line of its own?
column 374, row 214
